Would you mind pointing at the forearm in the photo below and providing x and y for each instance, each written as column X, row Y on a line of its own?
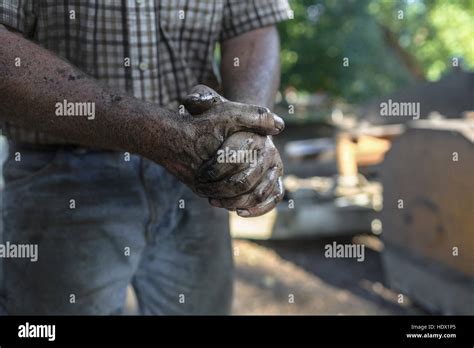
column 29, row 94
column 256, row 78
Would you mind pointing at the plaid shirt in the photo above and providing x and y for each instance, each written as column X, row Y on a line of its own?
column 155, row 50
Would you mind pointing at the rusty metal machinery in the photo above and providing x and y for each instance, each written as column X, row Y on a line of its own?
column 428, row 215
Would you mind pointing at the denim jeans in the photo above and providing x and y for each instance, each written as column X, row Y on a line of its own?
column 102, row 221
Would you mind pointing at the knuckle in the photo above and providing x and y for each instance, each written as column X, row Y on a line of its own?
column 279, row 197
column 260, row 195
column 263, row 110
column 239, row 184
column 263, row 118
column 281, row 192
column 244, row 185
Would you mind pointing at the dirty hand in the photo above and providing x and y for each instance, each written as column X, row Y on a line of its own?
column 245, row 175
column 215, row 123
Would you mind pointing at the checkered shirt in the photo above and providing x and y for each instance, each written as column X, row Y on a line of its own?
column 155, row 50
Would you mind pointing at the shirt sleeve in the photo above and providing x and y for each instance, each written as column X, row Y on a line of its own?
column 18, row 15
column 241, row 16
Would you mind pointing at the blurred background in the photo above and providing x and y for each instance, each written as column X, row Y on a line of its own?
column 354, row 177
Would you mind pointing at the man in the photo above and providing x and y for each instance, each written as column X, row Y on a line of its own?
column 100, row 146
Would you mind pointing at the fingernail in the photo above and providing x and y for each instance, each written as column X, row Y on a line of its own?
column 279, row 123
column 243, row 212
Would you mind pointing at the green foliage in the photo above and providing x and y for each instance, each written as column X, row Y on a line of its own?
column 433, row 31
column 324, row 32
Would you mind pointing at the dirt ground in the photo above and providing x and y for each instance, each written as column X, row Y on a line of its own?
column 294, row 277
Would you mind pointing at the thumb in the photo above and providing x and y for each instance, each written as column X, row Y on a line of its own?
column 201, row 98
column 252, row 118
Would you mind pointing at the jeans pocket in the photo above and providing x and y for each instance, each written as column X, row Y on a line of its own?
column 23, row 165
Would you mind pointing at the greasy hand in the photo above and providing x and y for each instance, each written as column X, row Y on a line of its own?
column 253, row 186
column 250, row 182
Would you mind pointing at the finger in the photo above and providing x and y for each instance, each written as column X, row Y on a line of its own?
column 217, row 169
column 200, row 99
column 253, row 118
column 267, row 205
column 261, row 192
column 239, row 183
column 238, row 153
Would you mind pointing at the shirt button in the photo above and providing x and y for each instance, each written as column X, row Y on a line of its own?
column 143, row 66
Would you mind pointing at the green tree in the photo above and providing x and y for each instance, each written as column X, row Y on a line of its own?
column 385, row 49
